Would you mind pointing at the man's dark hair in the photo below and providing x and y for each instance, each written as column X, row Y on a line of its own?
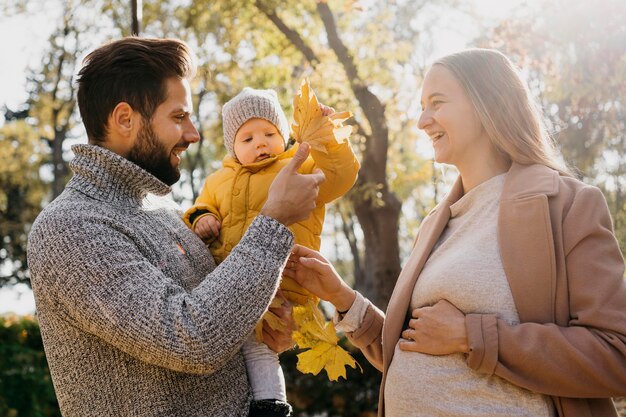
column 132, row 70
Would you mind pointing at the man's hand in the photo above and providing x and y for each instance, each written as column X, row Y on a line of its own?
column 292, row 196
column 207, row 227
column 280, row 340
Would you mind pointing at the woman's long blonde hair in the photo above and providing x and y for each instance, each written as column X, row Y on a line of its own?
column 510, row 117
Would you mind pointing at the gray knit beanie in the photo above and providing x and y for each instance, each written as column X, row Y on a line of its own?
column 249, row 104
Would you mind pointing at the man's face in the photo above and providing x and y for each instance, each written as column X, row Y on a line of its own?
column 161, row 141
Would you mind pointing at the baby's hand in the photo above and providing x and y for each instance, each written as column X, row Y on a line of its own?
column 207, row 227
column 326, row 111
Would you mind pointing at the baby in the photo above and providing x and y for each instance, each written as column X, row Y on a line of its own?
column 255, row 134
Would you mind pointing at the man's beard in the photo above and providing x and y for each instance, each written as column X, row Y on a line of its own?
column 150, row 154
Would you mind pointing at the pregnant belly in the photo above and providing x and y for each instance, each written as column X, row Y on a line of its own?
column 424, row 385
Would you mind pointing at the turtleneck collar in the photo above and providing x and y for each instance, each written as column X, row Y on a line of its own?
column 107, row 176
column 479, row 196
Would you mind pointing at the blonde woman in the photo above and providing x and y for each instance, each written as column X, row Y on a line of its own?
column 512, row 302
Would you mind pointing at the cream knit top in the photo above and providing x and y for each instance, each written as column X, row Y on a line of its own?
column 465, row 269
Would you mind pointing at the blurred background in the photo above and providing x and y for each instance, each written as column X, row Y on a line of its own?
column 366, row 56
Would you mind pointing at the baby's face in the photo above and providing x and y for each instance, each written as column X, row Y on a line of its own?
column 256, row 140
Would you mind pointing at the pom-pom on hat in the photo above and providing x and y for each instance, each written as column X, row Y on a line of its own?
column 249, row 104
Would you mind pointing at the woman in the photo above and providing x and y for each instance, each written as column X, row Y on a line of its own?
column 512, row 302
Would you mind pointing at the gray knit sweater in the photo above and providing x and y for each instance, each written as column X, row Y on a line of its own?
column 135, row 317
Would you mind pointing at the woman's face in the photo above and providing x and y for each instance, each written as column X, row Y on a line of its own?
column 448, row 117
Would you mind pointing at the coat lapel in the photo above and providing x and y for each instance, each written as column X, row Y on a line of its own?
column 526, row 242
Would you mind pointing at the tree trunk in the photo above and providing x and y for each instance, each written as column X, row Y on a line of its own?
column 382, row 252
column 136, row 17
column 59, row 166
column 378, row 212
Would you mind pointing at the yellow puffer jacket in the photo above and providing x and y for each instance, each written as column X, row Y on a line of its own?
column 236, row 193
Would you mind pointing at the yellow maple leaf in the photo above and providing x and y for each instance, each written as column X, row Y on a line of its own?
column 322, row 341
column 272, row 320
column 332, row 358
column 312, row 332
column 311, row 126
column 311, row 326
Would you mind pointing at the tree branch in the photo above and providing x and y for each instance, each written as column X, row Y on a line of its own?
column 375, row 158
column 292, row 35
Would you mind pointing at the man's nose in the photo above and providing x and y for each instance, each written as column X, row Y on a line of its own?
column 191, row 133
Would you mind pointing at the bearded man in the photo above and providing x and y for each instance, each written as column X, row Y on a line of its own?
column 135, row 317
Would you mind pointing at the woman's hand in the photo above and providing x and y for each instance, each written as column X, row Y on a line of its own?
column 311, row 270
column 326, row 110
column 436, row 330
column 280, row 340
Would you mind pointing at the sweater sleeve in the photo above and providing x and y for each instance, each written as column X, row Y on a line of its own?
column 587, row 358
column 95, row 276
column 340, row 167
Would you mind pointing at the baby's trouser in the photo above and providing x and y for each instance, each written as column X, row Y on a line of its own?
column 264, row 371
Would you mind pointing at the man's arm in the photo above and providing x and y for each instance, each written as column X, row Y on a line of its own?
column 97, row 278
column 91, row 272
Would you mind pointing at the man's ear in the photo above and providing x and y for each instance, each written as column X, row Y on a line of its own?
column 121, row 120
column 122, row 129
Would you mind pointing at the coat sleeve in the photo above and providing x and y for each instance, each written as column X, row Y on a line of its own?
column 340, row 167
column 96, row 277
column 206, row 203
column 587, row 358
column 368, row 336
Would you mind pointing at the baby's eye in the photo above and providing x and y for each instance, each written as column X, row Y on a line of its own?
column 270, row 134
column 247, row 139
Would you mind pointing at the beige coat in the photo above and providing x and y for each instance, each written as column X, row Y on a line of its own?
column 565, row 271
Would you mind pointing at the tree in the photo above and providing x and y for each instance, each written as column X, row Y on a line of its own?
column 50, row 116
column 374, row 203
column 575, row 59
column 243, row 43
column 21, row 195
column 52, row 100
column 25, row 385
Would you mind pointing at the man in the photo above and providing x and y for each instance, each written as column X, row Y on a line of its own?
column 135, row 317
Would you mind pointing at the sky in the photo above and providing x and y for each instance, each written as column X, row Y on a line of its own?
column 22, row 46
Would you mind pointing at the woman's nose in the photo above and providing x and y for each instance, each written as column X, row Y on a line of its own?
column 424, row 120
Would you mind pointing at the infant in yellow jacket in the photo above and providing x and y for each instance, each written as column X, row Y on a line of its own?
column 255, row 134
